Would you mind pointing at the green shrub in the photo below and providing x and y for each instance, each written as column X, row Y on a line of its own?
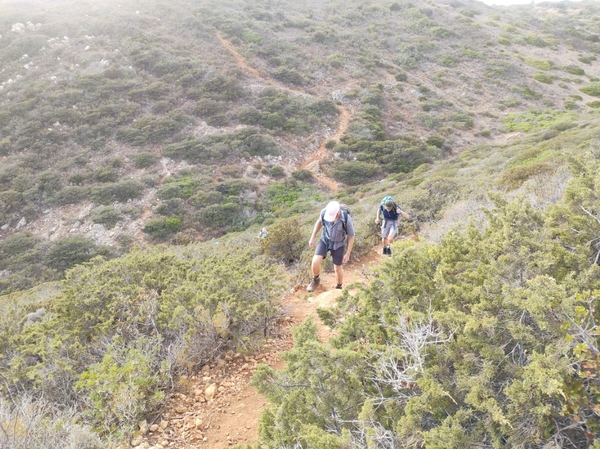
column 117, row 192
column 72, row 195
column 10, row 201
column 177, row 187
column 153, row 129
column 336, row 61
column 125, row 386
column 234, row 187
column 106, row 215
column 160, row 228
column 542, row 64
column 355, row 173
column 106, row 174
column 593, row 104
column 23, row 45
column 281, row 195
column 435, row 141
column 543, row 78
column 276, row 171
column 220, row 216
column 144, row 159
column 591, row 89
column 287, row 75
column 303, row 175
column 70, row 251
column 586, row 59
column 515, row 176
column 202, row 199
column 440, row 33
column 401, row 77
column 574, row 70
column 461, row 120
column 535, row 40
column 285, row 241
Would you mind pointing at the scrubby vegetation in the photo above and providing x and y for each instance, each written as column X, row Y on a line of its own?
column 489, row 336
column 133, row 122
column 110, row 340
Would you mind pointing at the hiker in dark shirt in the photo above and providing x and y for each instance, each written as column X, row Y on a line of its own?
column 336, row 224
column 390, row 212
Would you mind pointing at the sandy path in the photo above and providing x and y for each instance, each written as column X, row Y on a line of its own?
column 312, row 163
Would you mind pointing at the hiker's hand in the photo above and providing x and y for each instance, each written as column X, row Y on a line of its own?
column 377, row 221
column 346, row 258
column 311, row 243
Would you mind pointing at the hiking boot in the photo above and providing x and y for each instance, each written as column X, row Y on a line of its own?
column 389, row 251
column 313, row 284
column 338, row 286
column 385, row 250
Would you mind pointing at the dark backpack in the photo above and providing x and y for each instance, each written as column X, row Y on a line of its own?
column 345, row 213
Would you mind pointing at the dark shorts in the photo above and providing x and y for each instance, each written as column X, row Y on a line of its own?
column 337, row 255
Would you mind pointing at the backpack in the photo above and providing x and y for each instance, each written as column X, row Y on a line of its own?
column 345, row 212
column 389, row 198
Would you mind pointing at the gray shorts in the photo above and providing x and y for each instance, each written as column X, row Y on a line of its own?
column 337, row 255
column 389, row 228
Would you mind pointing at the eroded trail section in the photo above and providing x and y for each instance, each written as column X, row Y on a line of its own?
column 313, row 162
column 217, row 408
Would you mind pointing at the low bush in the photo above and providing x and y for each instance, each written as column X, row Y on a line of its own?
column 70, row 251
column 160, row 228
column 285, row 241
column 515, row 176
column 535, row 40
column 220, row 216
column 117, row 192
column 591, row 89
column 541, row 64
column 106, row 215
column 303, row 175
column 144, row 159
column 355, row 173
column 177, row 187
column 543, row 78
column 574, row 70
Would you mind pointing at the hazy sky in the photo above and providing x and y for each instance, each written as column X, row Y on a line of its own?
column 515, row 2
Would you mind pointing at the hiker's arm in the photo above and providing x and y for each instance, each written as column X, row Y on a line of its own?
column 349, row 250
column 318, row 226
column 399, row 211
column 377, row 216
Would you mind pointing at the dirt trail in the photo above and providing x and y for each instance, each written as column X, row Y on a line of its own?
column 196, row 418
column 217, row 408
column 312, row 163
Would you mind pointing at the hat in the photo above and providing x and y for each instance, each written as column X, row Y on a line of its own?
column 389, row 205
column 331, row 211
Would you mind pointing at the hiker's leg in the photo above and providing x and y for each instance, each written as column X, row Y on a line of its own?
column 339, row 274
column 337, row 256
column 320, row 253
column 384, row 233
column 392, row 232
column 316, row 265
